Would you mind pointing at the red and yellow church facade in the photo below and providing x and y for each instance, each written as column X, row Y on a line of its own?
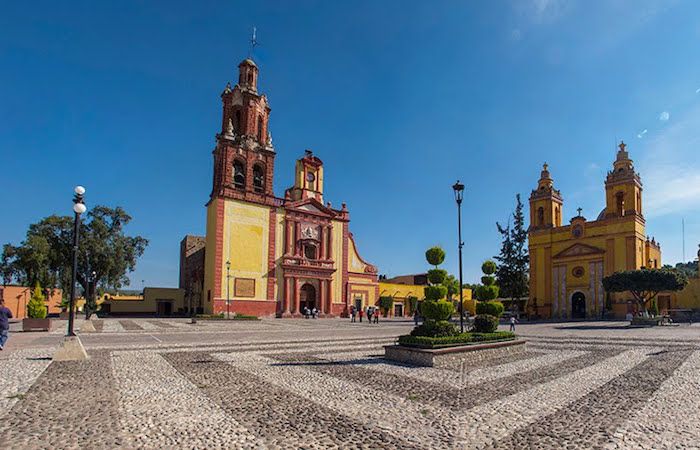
column 273, row 256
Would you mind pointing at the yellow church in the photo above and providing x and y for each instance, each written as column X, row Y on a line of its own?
column 266, row 255
column 568, row 262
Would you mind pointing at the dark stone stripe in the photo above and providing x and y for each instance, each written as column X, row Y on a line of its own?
column 99, row 325
column 129, row 325
column 591, row 421
column 435, row 393
column 71, row 405
column 160, row 324
column 281, row 418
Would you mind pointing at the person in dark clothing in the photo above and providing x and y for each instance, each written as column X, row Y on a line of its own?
column 5, row 315
column 416, row 317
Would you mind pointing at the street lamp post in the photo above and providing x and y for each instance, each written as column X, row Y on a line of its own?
column 228, row 283
column 459, row 191
column 78, row 208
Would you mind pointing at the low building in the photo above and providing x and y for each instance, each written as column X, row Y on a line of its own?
column 402, row 288
column 155, row 301
column 17, row 297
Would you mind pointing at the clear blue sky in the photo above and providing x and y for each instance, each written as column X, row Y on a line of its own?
column 398, row 98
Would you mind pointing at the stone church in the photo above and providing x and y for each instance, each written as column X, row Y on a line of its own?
column 269, row 255
column 568, row 262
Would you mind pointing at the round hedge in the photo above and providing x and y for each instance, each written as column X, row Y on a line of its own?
column 435, row 256
column 491, row 308
column 488, row 267
column 437, row 276
column 440, row 328
column 435, row 293
column 437, row 311
column 485, row 323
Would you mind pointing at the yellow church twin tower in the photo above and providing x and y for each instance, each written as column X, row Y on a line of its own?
column 568, row 262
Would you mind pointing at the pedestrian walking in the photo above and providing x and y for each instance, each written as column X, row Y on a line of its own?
column 360, row 313
column 370, row 311
column 415, row 317
column 5, row 315
column 376, row 315
column 314, row 313
column 513, row 321
column 353, row 313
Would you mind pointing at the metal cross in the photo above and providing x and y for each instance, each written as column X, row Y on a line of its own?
column 253, row 42
column 579, row 209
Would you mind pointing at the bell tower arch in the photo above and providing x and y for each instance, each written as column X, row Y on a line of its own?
column 545, row 203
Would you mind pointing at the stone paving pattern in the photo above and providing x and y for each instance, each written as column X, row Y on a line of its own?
column 273, row 384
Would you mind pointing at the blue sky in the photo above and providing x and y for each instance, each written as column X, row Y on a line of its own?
column 399, row 99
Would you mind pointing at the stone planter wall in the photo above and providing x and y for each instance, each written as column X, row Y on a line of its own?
column 452, row 357
column 36, row 324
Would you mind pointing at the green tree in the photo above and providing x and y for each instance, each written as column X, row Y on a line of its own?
column 513, row 259
column 452, row 285
column 385, row 304
column 435, row 310
column 435, row 256
column 645, row 284
column 106, row 253
column 36, row 307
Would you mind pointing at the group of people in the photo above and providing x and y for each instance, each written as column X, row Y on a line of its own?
column 310, row 313
column 371, row 312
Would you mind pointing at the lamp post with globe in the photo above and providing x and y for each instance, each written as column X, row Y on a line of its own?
column 459, row 193
column 78, row 208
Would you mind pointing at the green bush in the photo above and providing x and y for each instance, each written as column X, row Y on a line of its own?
column 486, row 293
column 441, row 310
column 432, row 328
column 437, row 276
column 654, row 308
column 489, row 267
column 492, row 308
column 386, row 303
column 435, row 256
column 411, row 304
column 36, row 307
column 488, row 280
column 485, row 323
column 434, row 293
column 458, row 339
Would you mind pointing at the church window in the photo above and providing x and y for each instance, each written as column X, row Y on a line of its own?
column 238, row 174
column 578, row 271
column 620, row 199
column 310, row 251
column 260, row 129
column 258, row 178
column 250, row 77
column 238, row 124
column 540, row 216
column 557, row 214
column 310, row 181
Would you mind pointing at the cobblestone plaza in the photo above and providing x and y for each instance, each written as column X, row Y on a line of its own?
column 155, row 383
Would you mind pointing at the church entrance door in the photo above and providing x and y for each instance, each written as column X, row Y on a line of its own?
column 307, row 297
column 578, row 306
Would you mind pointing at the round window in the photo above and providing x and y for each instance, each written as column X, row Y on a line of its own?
column 577, row 231
column 310, row 176
column 578, row 271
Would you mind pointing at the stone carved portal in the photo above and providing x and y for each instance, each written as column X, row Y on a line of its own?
column 578, row 306
column 307, row 297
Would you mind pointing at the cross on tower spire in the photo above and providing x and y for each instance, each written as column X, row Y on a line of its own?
column 253, row 42
column 579, row 209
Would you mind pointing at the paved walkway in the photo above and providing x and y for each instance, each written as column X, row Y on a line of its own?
column 166, row 383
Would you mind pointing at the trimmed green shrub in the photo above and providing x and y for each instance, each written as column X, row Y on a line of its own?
column 411, row 304
column 36, row 307
column 441, row 310
column 431, row 328
column 435, row 293
column 488, row 280
column 458, row 339
column 489, row 267
column 486, row 293
column 492, row 308
column 437, row 276
column 654, row 308
column 485, row 323
column 435, row 256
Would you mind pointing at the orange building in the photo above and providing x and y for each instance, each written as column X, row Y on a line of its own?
column 17, row 297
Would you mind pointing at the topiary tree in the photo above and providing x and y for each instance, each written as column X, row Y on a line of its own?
column 488, row 290
column 434, row 309
column 36, row 307
column 411, row 304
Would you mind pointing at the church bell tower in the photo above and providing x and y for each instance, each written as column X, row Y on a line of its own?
column 623, row 187
column 545, row 203
column 244, row 156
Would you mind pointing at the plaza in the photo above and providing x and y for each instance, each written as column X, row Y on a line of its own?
column 290, row 383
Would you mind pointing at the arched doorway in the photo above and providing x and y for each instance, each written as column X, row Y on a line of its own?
column 307, row 297
column 578, row 306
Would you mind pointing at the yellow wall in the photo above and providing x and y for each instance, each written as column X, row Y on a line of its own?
column 400, row 292
column 337, row 284
column 208, row 293
column 148, row 303
column 688, row 298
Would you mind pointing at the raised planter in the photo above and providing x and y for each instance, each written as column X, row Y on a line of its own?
column 452, row 357
column 36, row 324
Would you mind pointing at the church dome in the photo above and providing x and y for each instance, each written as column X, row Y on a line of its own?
column 601, row 216
column 248, row 62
